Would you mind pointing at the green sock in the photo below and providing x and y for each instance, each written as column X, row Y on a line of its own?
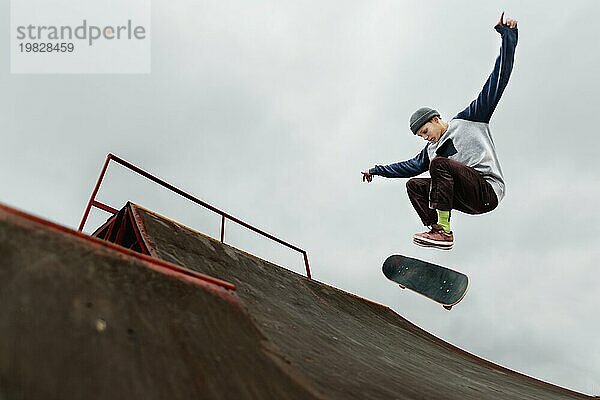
column 444, row 220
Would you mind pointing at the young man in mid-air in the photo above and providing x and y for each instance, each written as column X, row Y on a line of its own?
column 460, row 156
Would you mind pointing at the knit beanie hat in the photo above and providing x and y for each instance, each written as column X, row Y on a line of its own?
column 421, row 117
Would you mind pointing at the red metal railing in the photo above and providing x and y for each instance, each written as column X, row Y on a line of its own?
column 224, row 216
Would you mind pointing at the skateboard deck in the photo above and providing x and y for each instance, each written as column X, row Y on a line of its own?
column 435, row 282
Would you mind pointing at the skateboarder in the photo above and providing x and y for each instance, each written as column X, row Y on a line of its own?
column 460, row 156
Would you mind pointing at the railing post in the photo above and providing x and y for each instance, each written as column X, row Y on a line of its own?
column 222, row 228
column 306, row 265
column 94, row 193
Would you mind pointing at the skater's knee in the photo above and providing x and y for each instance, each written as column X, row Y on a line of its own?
column 412, row 184
column 417, row 185
column 439, row 163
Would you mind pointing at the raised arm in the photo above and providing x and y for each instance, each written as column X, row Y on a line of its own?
column 482, row 108
column 404, row 169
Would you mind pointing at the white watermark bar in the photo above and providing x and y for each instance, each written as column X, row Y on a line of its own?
column 80, row 36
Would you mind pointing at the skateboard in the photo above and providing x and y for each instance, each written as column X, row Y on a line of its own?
column 440, row 284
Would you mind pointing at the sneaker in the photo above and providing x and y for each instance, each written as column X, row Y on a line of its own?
column 436, row 238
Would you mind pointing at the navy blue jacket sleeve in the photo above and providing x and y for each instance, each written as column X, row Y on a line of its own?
column 482, row 108
column 404, row 169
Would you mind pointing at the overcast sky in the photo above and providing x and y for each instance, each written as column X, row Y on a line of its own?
column 270, row 110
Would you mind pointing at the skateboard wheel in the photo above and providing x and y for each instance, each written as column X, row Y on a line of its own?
column 448, row 307
column 402, row 287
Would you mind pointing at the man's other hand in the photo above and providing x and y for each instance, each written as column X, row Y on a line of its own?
column 367, row 177
column 511, row 23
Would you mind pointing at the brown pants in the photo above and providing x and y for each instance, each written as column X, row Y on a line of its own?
column 452, row 186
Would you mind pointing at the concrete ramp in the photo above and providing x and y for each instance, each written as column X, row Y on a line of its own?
column 83, row 318
column 346, row 346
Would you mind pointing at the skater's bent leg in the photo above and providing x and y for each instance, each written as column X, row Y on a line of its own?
column 456, row 186
column 442, row 190
column 418, row 193
column 442, row 183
